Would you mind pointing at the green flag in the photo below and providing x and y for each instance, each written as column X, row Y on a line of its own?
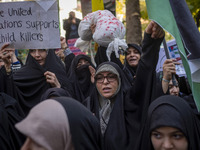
column 175, row 17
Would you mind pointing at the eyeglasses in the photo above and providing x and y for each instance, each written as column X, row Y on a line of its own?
column 110, row 78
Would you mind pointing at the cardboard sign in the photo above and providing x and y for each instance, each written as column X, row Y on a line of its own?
column 30, row 24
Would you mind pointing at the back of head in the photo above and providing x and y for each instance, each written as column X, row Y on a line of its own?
column 84, row 126
column 61, row 124
column 48, row 126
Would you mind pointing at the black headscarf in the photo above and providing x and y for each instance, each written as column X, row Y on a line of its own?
column 54, row 92
column 171, row 111
column 80, row 78
column 10, row 113
column 131, row 71
column 130, row 106
column 120, row 130
column 31, row 83
column 84, row 127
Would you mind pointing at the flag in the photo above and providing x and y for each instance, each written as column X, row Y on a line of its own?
column 174, row 16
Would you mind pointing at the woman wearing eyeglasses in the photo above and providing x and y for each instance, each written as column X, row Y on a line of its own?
column 119, row 106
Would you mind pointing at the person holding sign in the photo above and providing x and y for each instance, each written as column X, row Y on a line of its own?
column 42, row 71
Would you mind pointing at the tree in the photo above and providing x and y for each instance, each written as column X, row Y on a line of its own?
column 86, row 7
column 133, row 24
column 195, row 10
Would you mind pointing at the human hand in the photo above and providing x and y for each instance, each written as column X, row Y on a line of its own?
column 155, row 30
column 92, row 28
column 92, row 72
column 52, row 79
column 6, row 54
column 63, row 43
column 74, row 21
column 169, row 68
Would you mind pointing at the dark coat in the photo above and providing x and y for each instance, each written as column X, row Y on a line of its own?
column 67, row 27
column 10, row 114
column 80, row 78
column 130, row 106
column 84, row 127
column 29, row 83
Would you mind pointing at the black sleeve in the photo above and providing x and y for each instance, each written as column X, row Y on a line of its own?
column 68, row 61
column 6, row 82
column 101, row 57
column 139, row 96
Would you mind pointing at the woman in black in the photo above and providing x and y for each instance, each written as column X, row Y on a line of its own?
column 10, row 114
column 80, row 77
column 62, row 124
column 43, row 70
column 119, row 108
column 170, row 113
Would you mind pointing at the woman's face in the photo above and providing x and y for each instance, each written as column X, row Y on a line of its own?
column 107, row 84
column 173, row 90
column 133, row 56
column 81, row 62
column 39, row 55
column 31, row 145
column 168, row 138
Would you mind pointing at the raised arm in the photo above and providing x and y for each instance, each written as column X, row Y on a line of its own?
column 6, row 54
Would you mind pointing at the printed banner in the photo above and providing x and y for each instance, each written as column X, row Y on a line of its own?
column 30, row 24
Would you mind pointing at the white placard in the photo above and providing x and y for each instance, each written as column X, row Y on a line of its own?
column 173, row 52
column 30, row 24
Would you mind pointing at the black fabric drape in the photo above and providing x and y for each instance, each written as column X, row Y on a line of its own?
column 80, row 78
column 190, row 123
column 10, row 113
column 130, row 72
column 29, row 83
column 68, row 60
column 54, row 92
column 84, row 127
column 130, row 104
column 101, row 57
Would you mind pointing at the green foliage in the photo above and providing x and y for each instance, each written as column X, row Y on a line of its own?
column 194, row 6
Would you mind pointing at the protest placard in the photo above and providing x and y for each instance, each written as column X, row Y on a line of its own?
column 174, row 54
column 30, row 24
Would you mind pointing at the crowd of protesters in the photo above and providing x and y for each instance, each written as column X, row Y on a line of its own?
column 59, row 101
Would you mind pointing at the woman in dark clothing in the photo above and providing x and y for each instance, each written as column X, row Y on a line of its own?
column 42, row 71
column 122, row 111
column 80, row 77
column 62, row 124
column 10, row 114
column 70, row 25
column 132, row 57
column 171, row 115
